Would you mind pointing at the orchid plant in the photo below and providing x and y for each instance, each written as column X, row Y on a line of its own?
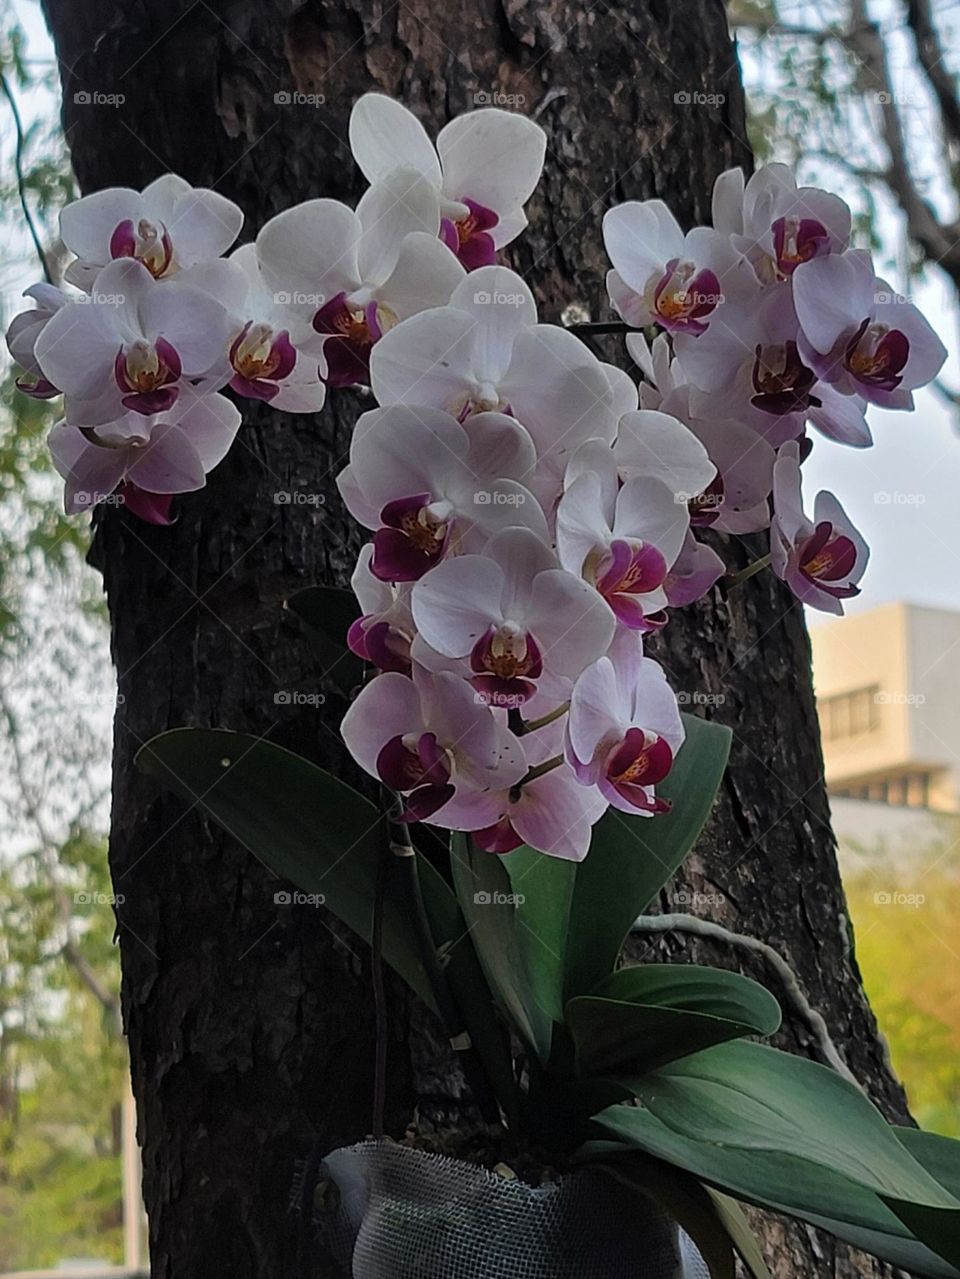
column 534, row 512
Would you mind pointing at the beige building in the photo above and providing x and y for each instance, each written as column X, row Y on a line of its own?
column 889, row 703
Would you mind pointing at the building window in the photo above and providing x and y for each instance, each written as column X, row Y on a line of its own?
column 911, row 790
column 849, row 714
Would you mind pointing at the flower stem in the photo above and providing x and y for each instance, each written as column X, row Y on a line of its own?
column 539, row 770
column 531, row 725
column 737, row 579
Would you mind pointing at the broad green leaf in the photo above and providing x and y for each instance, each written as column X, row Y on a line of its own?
column 299, row 820
column 631, row 858
column 329, row 612
column 543, row 888
column 487, row 899
column 778, row 1181
column 941, row 1157
column 752, row 1097
column 323, row 836
column 791, row 1134
column 643, row 1017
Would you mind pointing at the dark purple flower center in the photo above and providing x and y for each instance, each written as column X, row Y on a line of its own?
column 876, row 356
column 683, row 296
column 506, row 660
column 797, row 240
column 413, row 539
column 469, row 237
column 828, row 557
column 640, row 760
column 146, row 374
column 148, row 242
column 781, row 381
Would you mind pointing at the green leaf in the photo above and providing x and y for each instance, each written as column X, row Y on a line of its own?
column 738, row 1228
column 753, row 1097
column 642, row 1017
column 297, row 819
column 631, row 858
column 486, row 896
column 323, row 836
column 779, row 1182
column 941, row 1157
column 543, row 889
column 329, row 612
column 790, row 1134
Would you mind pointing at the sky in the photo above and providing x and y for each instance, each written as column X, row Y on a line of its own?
column 902, row 493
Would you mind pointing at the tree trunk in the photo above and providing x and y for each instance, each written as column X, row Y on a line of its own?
column 250, row 1023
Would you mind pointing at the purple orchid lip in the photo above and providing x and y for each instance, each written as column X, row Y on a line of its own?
column 876, row 356
column 469, row 238
column 797, row 240
column 505, row 667
column 259, row 371
column 423, row 773
column 636, row 764
column 154, row 250
column 38, row 388
column 705, row 508
column 826, row 560
column 148, row 390
column 781, row 380
column 350, row 340
column 681, row 303
column 408, row 544
column 152, row 508
column 383, row 645
column 498, row 838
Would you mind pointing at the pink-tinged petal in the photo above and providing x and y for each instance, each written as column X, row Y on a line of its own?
column 455, row 603
column 168, row 464
column 597, row 711
column 832, row 295
column 556, row 815
column 630, row 304
column 697, row 569
column 428, row 359
column 150, row 403
column 86, row 225
column 491, row 157
column 387, row 707
column 634, row 244
column 152, row 508
column 840, row 417
column 498, row 838
column 90, row 473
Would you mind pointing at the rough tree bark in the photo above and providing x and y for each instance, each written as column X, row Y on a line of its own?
column 250, row 1023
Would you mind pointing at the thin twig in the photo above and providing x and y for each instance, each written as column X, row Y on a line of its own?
column 21, row 181
column 791, row 986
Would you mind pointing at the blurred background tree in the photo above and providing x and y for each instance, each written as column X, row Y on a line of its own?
column 62, row 1056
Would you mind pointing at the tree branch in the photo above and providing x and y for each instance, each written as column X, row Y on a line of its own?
column 930, row 55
